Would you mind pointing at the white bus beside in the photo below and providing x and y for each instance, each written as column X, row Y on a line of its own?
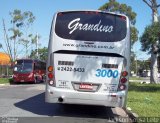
column 88, row 59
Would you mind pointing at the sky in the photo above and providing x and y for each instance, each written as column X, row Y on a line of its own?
column 44, row 10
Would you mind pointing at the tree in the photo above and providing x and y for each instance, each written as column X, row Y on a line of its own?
column 42, row 53
column 150, row 44
column 154, row 7
column 150, row 40
column 133, row 62
column 21, row 21
column 7, row 43
column 114, row 6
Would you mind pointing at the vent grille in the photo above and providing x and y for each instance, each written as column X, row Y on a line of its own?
column 70, row 63
column 109, row 65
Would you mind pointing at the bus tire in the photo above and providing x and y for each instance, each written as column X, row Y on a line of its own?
column 15, row 82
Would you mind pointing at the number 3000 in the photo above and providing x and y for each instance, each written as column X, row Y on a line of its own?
column 107, row 73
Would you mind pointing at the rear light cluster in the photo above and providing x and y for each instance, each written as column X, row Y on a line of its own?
column 123, row 81
column 50, row 76
column 123, row 17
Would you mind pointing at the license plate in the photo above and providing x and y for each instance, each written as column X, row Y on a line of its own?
column 86, row 86
column 22, row 80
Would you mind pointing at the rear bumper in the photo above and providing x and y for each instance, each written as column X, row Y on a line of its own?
column 53, row 94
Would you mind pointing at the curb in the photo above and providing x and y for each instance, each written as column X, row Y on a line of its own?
column 4, row 84
column 133, row 116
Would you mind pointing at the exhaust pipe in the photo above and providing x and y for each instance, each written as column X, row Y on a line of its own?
column 60, row 99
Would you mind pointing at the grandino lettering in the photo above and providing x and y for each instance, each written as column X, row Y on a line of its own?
column 76, row 25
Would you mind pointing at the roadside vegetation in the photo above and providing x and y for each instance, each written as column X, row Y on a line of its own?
column 144, row 99
column 5, row 80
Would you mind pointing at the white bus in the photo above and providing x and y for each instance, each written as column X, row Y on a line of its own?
column 88, row 59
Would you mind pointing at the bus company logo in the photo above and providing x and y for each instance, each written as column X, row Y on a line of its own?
column 76, row 25
column 9, row 120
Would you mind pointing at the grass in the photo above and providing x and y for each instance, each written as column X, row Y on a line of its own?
column 135, row 78
column 5, row 80
column 144, row 99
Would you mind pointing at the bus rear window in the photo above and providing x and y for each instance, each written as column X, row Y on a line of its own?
column 90, row 26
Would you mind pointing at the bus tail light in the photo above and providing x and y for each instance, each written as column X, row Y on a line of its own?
column 123, row 18
column 124, row 73
column 50, row 68
column 51, row 82
column 51, row 77
column 123, row 81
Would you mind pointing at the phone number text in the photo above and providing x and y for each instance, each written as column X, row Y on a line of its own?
column 70, row 69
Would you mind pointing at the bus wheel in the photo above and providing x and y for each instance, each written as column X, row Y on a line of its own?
column 15, row 82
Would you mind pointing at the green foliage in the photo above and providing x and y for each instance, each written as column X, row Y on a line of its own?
column 22, row 19
column 133, row 62
column 150, row 36
column 42, row 53
column 143, row 65
column 134, row 35
column 16, row 16
column 114, row 6
column 34, row 38
column 16, row 33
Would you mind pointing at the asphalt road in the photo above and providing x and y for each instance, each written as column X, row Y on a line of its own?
column 24, row 103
